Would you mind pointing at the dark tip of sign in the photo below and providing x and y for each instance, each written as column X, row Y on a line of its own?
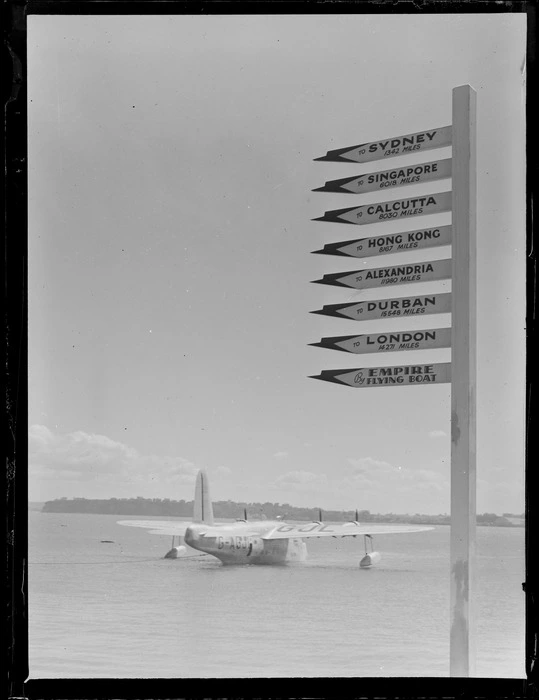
column 315, row 345
column 319, row 189
column 317, row 252
column 321, row 158
column 320, row 218
column 317, row 281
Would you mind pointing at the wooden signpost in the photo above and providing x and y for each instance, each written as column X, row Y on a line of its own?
column 423, row 305
column 410, row 273
column 386, row 179
column 463, row 385
column 461, row 303
column 389, row 148
column 393, row 210
column 398, row 375
column 390, row 243
column 390, row 341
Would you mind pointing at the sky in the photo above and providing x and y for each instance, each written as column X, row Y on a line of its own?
column 170, row 234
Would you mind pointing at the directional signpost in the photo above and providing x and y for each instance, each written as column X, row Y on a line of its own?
column 398, row 375
column 390, row 211
column 388, row 148
column 390, row 243
column 385, row 179
column 387, row 276
column 460, row 337
column 463, row 387
column 423, row 305
column 390, row 341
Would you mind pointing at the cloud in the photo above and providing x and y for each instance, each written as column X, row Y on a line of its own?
column 223, row 471
column 437, row 433
column 87, row 457
column 302, row 481
column 372, row 483
column 366, row 465
column 376, row 477
column 281, row 455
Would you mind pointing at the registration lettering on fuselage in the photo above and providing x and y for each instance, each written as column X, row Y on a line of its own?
column 234, row 542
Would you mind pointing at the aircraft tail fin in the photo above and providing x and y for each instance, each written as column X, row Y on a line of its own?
column 202, row 508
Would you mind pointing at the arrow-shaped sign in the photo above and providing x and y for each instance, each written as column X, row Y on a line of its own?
column 410, row 273
column 388, row 148
column 391, row 341
column 398, row 375
column 390, row 243
column 390, row 308
column 390, row 211
column 386, row 179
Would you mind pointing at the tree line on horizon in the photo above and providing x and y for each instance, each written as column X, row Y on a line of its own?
column 255, row 511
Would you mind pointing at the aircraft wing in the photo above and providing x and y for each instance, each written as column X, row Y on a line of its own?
column 158, row 527
column 350, row 529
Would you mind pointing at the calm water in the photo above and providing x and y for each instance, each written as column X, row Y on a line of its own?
column 120, row 610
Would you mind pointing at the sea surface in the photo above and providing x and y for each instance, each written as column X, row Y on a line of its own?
column 118, row 609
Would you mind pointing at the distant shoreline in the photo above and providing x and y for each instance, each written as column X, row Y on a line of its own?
column 255, row 511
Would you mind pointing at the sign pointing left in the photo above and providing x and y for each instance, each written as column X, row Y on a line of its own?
column 389, row 148
column 388, row 341
column 398, row 375
column 390, row 211
column 386, row 179
column 385, row 276
column 389, row 243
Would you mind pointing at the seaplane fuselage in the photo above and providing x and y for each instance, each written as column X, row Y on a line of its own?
column 243, row 543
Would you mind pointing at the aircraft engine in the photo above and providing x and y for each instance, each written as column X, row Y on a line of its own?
column 370, row 559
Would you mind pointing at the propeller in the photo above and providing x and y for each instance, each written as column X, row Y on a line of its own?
column 244, row 519
column 320, row 514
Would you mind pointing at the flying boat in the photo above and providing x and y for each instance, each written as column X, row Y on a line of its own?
column 259, row 542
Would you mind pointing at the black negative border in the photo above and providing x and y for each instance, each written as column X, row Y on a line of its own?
column 15, row 416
